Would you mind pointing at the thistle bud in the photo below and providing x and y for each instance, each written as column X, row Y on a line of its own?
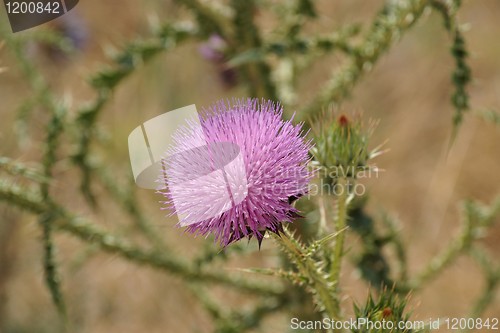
column 341, row 148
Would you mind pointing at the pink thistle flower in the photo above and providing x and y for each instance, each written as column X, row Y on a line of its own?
column 244, row 149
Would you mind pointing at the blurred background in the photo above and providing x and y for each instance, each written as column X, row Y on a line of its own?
column 421, row 183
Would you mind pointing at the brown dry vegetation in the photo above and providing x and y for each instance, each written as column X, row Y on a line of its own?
column 408, row 91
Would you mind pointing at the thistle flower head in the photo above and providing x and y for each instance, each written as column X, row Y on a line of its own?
column 341, row 146
column 236, row 174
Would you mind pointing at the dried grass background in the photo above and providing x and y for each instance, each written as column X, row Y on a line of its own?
column 408, row 91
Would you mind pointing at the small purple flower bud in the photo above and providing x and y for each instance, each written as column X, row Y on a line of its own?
column 214, row 50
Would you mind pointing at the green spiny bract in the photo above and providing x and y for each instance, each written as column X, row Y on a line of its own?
column 387, row 309
column 341, row 148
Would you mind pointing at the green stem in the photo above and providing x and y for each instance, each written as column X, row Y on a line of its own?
column 247, row 36
column 456, row 247
column 52, row 278
column 317, row 282
column 340, row 224
column 128, row 201
column 92, row 234
column 397, row 18
column 158, row 259
column 492, row 281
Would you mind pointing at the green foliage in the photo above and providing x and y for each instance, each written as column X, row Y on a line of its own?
column 394, row 19
column 476, row 218
column 387, row 307
column 491, row 116
column 461, row 75
column 312, row 270
column 51, row 274
column 54, row 130
column 341, row 149
column 371, row 261
column 105, row 81
column 20, row 169
column 338, row 40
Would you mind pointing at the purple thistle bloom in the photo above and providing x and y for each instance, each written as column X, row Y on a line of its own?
column 264, row 168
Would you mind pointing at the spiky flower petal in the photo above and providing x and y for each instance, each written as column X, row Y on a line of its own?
column 235, row 173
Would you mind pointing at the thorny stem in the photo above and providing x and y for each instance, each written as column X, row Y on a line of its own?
column 248, row 36
column 443, row 260
column 90, row 233
column 398, row 17
column 319, row 284
column 128, row 201
column 52, row 278
column 340, row 224
column 54, row 130
column 390, row 25
column 491, row 272
column 474, row 221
